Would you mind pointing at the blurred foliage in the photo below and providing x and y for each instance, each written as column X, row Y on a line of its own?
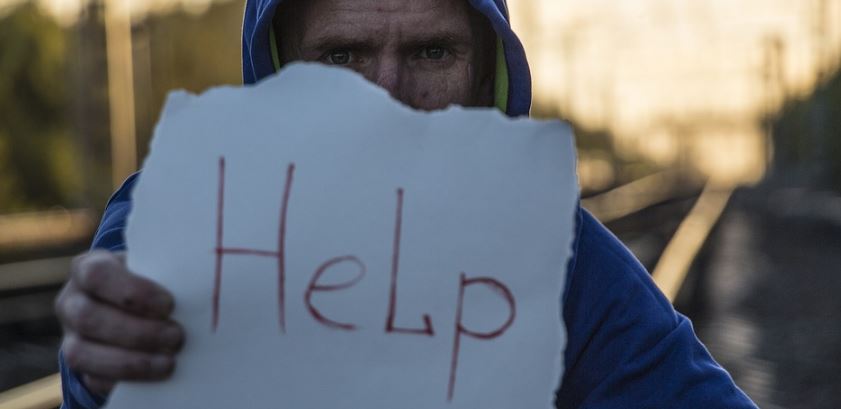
column 807, row 138
column 37, row 154
column 54, row 142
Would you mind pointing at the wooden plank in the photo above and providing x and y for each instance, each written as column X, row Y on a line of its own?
column 36, row 273
column 44, row 393
column 45, row 228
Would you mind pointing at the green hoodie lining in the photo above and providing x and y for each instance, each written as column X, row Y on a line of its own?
column 501, row 79
column 500, row 82
column 273, row 45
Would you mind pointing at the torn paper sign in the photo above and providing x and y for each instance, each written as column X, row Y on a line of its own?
column 330, row 248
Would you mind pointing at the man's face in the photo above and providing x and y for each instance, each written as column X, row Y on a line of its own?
column 426, row 53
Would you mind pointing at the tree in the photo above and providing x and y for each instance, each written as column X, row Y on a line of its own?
column 37, row 156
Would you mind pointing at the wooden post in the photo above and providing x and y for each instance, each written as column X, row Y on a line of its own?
column 120, row 90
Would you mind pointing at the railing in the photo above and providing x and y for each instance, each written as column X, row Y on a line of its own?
column 27, row 231
column 633, row 197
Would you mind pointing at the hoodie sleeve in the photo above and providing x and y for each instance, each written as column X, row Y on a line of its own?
column 627, row 346
column 109, row 236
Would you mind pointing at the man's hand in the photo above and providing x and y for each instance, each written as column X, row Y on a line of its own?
column 116, row 324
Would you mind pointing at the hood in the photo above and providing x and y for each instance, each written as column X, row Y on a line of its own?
column 513, row 80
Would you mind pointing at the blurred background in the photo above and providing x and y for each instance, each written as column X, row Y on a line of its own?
column 709, row 136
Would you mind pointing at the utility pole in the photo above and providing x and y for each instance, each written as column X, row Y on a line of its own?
column 820, row 40
column 821, row 107
column 773, row 89
column 569, row 44
column 120, row 89
column 90, row 104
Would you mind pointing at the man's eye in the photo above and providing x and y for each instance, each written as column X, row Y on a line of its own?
column 433, row 53
column 338, row 57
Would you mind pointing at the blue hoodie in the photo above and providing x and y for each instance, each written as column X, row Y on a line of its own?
column 627, row 347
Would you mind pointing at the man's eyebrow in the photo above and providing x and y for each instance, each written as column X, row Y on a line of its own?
column 442, row 38
column 329, row 41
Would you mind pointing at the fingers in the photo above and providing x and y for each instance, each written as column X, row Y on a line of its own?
column 100, row 386
column 104, row 275
column 106, row 324
column 116, row 323
column 107, row 362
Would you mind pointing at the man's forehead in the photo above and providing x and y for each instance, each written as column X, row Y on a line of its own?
column 379, row 14
column 383, row 6
column 366, row 21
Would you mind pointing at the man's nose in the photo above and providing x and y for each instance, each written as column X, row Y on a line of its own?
column 387, row 75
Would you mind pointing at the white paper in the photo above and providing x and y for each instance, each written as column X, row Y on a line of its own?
column 483, row 196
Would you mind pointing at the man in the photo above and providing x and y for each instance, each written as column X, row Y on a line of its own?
column 627, row 347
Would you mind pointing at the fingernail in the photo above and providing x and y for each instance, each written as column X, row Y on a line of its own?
column 162, row 303
column 162, row 364
column 171, row 337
